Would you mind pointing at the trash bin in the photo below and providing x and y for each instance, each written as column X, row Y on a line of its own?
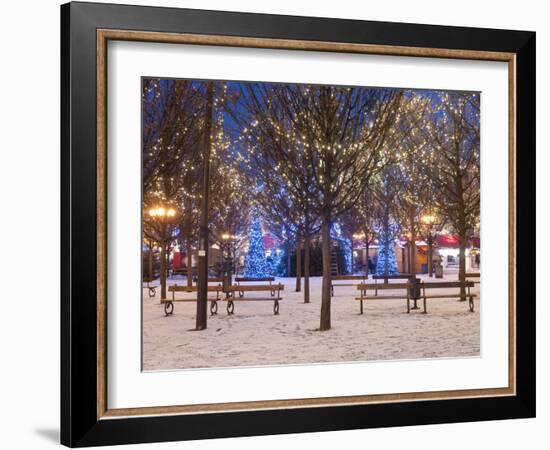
column 439, row 271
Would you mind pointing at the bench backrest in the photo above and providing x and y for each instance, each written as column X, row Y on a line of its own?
column 381, row 287
column 258, row 287
column 185, row 288
column 245, row 279
column 446, row 284
column 473, row 275
column 182, row 288
column 348, row 277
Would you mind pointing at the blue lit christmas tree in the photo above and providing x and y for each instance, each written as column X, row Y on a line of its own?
column 386, row 263
column 255, row 265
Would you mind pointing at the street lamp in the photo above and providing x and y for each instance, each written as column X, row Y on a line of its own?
column 429, row 220
column 163, row 214
column 160, row 212
column 363, row 236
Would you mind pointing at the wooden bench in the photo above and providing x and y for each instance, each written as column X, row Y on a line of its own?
column 396, row 276
column 361, row 278
column 423, row 286
column 274, row 289
column 240, row 280
column 169, row 302
column 364, row 287
column 447, row 285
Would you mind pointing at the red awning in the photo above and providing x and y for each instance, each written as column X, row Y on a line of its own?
column 447, row 240
column 453, row 241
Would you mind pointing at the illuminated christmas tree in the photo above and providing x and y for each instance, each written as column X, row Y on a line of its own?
column 255, row 260
column 386, row 263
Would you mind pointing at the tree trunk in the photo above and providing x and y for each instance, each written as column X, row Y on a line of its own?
column 202, row 265
column 386, row 242
column 288, row 258
column 298, row 265
column 462, row 233
column 307, row 242
column 413, row 255
column 462, row 264
column 189, row 264
column 430, row 255
column 325, row 296
column 150, row 269
column 163, row 271
column 352, row 258
column 367, row 259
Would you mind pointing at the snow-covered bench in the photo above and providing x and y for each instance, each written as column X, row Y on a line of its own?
column 240, row 280
column 169, row 302
column 406, row 295
column 334, row 278
column 273, row 289
column 365, row 287
column 449, row 285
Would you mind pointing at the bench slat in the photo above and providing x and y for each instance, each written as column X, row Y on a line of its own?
column 348, row 277
column 382, row 297
column 446, row 284
column 192, row 288
column 381, row 287
column 173, row 300
column 273, row 287
column 252, row 299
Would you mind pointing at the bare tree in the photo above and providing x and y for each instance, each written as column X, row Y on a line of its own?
column 360, row 220
column 385, row 191
column 415, row 192
column 332, row 137
column 171, row 131
column 451, row 149
column 280, row 167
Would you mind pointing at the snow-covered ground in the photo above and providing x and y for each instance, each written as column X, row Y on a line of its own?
column 253, row 336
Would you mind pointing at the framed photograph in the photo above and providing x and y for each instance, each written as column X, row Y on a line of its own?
column 276, row 224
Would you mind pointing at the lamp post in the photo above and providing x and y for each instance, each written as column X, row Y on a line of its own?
column 429, row 220
column 228, row 256
column 163, row 215
column 358, row 236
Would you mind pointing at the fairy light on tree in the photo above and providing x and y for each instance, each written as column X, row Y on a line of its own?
column 275, row 148
column 451, row 142
column 325, row 134
column 171, row 129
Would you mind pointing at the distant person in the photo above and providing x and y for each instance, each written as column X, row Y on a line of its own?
column 371, row 265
